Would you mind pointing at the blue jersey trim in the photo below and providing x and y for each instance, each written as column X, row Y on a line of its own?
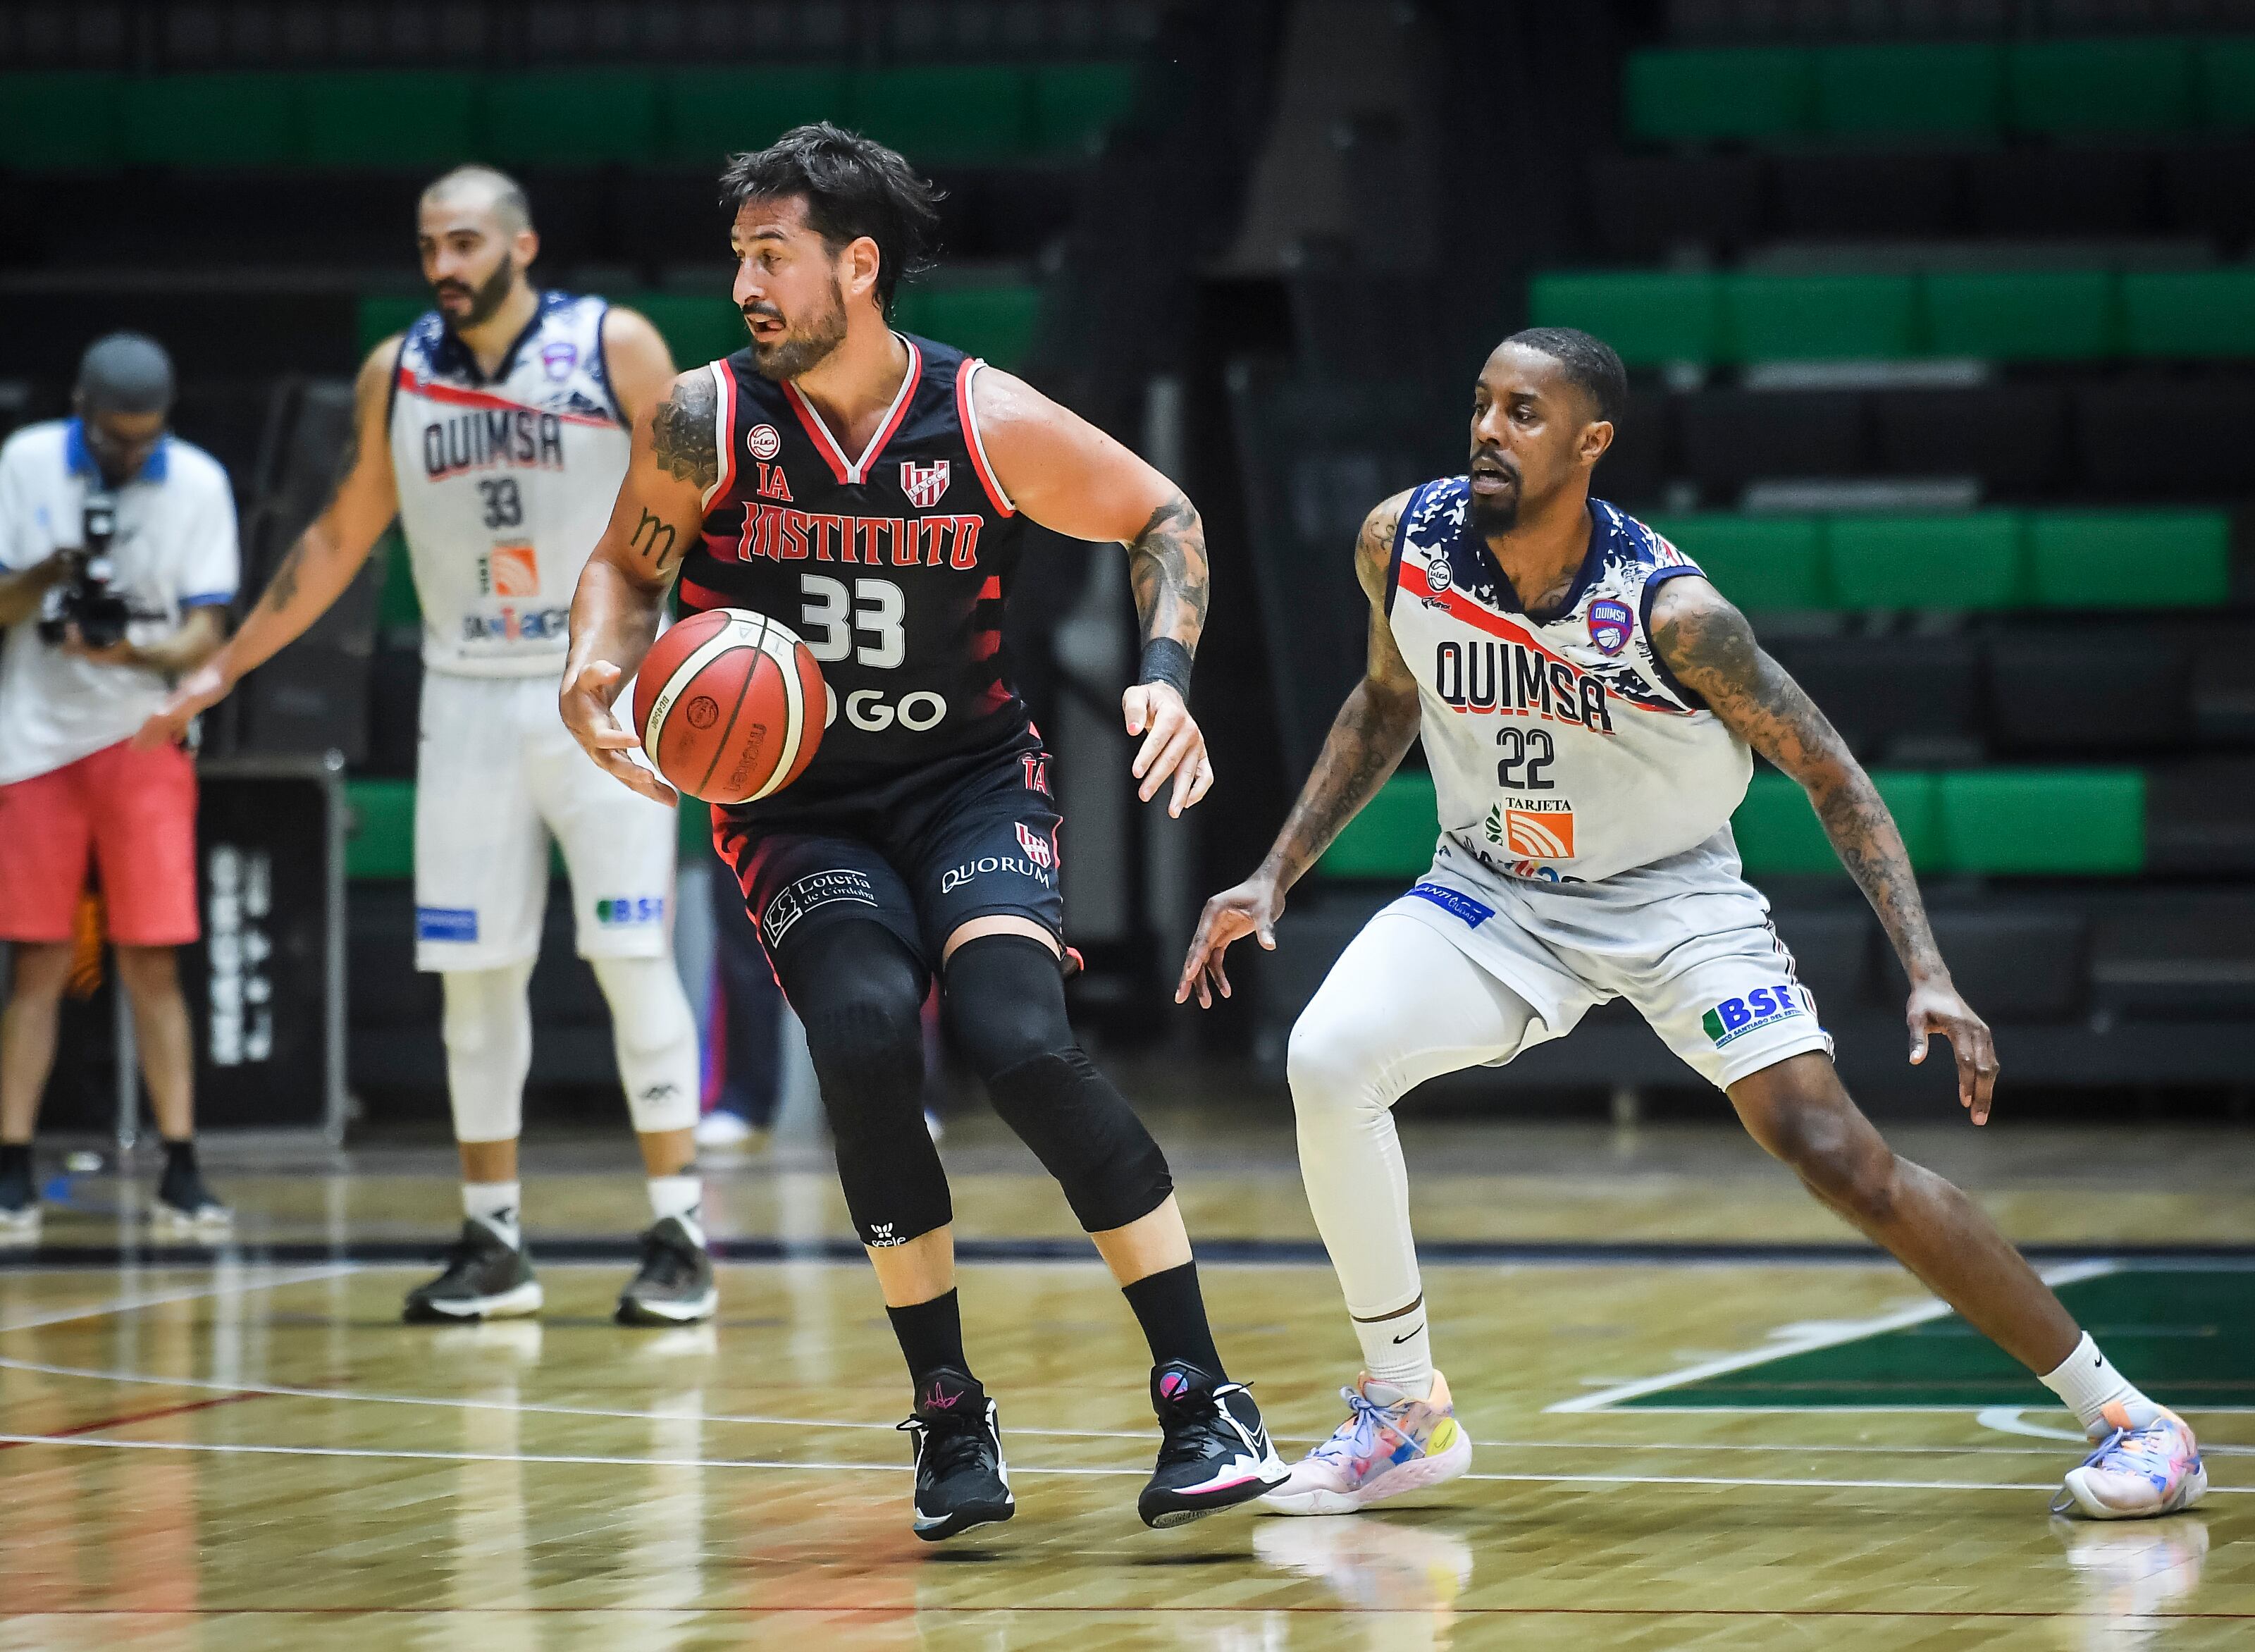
column 207, row 600
column 1653, row 581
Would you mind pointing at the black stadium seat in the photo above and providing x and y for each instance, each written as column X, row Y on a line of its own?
column 1883, row 693
column 2165, row 437
column 1865, row 195
column 2108, row 691
column 2209, row 190
column 1637, row 466
column 2028, row 965
column 2060, row 191
column 2014, row 437
column 1643, row 205
column 1731, row 438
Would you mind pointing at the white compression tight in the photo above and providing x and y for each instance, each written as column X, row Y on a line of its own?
column 488, row 1027
column 655, row 1037
column 1399, row 1007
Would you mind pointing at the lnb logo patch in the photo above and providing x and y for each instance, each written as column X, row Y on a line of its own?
column 1735, row 1017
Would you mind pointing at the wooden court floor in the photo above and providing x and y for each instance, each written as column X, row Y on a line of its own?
column 1703, row 1418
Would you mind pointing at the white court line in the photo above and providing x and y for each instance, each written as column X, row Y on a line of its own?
column 82, row 1441
column 132, row 1304
column 1829, row 1336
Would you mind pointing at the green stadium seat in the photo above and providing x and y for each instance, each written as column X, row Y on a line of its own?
column 1649, row 317
column 2227, row 84
column 2130, row 558
column 1697, row 97
column 1076, row 104
column 2114, row 84
column 997, row 322
column 1779, row 834
column 696, row 329
column 1772, row 317
column 380, row 838
column 2045, row 822
column 570, row 117
column 694, row 830
column 710, row 113
column 2056, row 315
column 381, row 118
column 2190, row 312
column 1757, row 562
column 1973, row 561
column 965, row 112
column 1929, row 90
column 397, row 609
column 59, row 121
column 382, row 314
column 208, row 120
column 1393, row 836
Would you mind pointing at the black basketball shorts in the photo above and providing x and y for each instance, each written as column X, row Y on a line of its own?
column 922, row 860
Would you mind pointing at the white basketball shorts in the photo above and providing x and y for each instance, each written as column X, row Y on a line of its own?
column 1687, row 941
column 497, row 775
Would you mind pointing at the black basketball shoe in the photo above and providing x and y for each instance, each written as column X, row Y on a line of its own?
column 961, row 1481
column 1215, row 1453
column 185, row 1208
column 674, row 1284
column 486, row 1277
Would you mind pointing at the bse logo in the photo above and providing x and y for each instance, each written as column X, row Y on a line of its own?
column 924, row 483
column 648, row 909
column 1735, row 1017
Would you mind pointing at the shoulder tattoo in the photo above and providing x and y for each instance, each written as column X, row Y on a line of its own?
column 681, row 432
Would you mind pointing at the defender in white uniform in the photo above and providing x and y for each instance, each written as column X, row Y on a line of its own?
column 1589, row 705
column 496, row 431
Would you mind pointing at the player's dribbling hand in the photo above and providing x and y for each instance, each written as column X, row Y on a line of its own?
column 196, row 690
column 1935, row 1007
column 585, row 705
column 1172, row 745
column 1252, row 909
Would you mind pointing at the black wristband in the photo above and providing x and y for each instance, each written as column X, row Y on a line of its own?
column 1167, row 661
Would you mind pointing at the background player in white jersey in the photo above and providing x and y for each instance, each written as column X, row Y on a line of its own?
column 495, row 428
column 1587, row 701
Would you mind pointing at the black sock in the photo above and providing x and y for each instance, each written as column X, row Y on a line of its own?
column 179, row 1161
column 1173, row 1315
column 930, row 1335
column 15, row 1161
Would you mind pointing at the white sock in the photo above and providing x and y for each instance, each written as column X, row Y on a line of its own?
column 1397, row 1351
column 2087, row 1383
column 677, row 1196
column 496, row 1203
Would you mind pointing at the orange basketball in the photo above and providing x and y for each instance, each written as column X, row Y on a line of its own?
column 731, row 706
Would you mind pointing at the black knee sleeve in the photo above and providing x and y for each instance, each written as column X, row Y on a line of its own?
column 1006, row 1008
column 861, row 995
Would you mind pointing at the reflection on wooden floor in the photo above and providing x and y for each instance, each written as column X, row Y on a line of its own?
column 246, row 1455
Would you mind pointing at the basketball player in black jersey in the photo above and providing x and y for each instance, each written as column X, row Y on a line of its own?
column 869, row 490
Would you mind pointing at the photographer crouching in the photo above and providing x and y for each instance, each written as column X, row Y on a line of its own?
column 117, row 561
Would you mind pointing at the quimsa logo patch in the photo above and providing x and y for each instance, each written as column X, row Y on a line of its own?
column 1610, row 624
column 1735, row 1017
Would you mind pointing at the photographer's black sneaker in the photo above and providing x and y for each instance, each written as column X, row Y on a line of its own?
column 486, row 1277
column 19, row 1208
column 674, row 1284
column 1215, row 1453
column 185, row 1208
column 961, row 1481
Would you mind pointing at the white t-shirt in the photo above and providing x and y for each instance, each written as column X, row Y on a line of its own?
column 173, row 549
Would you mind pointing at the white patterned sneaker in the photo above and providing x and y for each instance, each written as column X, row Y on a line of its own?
column 1388, row 1444
column 2149, row 1465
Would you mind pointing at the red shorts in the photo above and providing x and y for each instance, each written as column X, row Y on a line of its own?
column 130, row 813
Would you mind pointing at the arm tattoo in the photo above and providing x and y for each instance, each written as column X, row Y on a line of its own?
column 1373, row 730
column 1711, row 648
column 681, row 432
column 284, row 586
column 655, row 540
column 1166, row 567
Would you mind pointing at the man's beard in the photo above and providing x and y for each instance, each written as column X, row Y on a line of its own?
column 1495, row 515
column 484, row 300
column 802, row 350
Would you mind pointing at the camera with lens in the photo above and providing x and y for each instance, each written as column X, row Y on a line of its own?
column 84, row 597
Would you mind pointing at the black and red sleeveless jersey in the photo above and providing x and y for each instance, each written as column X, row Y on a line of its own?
column 893, row 567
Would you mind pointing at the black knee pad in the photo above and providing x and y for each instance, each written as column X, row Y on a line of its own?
column 861, row 995
column 1082, row 1130
column 1005, row 1002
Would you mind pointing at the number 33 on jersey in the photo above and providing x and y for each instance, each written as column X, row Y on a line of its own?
column 893, row 566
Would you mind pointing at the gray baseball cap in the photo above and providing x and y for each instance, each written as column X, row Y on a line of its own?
column 125, row 373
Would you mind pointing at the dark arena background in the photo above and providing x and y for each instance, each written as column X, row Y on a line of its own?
column 1939, row 323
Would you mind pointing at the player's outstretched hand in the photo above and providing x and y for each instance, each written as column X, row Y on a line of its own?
column 1172, row 745
column 1935, row 1007
column 205, row 687
column 1252, row 909
column 585, row 703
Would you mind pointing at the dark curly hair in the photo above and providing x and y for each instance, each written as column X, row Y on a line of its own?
column 853, row 186
column 1588, row 360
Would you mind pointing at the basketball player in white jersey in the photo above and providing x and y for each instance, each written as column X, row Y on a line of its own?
column 1587, row 702
column 496, row 430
